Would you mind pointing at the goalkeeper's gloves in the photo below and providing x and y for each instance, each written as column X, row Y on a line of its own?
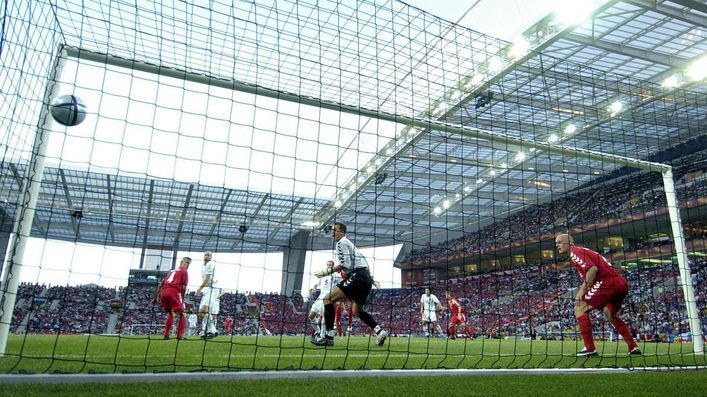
column 324, row 272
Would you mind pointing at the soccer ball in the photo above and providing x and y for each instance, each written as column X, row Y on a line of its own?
column 68, row 110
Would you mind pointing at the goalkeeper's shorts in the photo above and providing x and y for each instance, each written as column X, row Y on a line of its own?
column 357, row 285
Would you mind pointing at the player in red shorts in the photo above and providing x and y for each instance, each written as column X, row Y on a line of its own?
column 457, row 315
column 603, row 287
column 171, row 293
column 227, row 326
column 338, row 308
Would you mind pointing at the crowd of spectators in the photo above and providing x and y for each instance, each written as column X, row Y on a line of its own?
column 57, row 309
column 507, row 303
column 627, row 196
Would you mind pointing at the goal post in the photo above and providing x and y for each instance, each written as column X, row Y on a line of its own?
column 683, row 264
column 22, row 226
column 421, row 124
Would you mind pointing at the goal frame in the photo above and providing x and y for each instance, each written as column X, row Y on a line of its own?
column 30, row 191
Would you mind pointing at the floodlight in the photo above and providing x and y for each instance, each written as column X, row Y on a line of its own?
column 477, row 79
column 519, row 48
column 615, row 107
column 495, row 64
column 671, row 82
column 698, row 70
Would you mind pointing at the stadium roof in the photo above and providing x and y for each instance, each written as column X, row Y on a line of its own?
column 480, row 157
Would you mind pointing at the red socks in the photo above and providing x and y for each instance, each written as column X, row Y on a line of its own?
column 585, row 328
column 623, row 330
column 168, row 325
column 181, row 327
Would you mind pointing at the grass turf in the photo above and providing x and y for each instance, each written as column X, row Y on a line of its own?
column 116, row 354
column 672, row 383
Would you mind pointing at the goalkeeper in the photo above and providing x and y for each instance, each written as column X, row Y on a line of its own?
column 356, row 286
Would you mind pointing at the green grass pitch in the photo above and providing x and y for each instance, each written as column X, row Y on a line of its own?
column 117, row 354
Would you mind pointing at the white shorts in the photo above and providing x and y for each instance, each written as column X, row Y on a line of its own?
column 209, row 297
column 318, row 306
column 429, row 317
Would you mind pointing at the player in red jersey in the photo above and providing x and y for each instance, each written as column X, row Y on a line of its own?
column 457, row 315
column 338, row 308
column 603, row 287
column 171, row 293
column 227, row 326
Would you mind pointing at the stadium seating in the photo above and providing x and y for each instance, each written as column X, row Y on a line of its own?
column 508, row 303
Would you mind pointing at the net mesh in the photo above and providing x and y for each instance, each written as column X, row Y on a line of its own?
column 248, row 128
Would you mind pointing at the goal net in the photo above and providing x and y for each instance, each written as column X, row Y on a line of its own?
column 247, row 129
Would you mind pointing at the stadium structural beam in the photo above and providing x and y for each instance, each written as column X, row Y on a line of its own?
column 111, row 202
column 693, row 4
column 22, row 226
column 180, row 226
column 222, row 209
column 672, row 12
column 16, row 176
column 293, row 260
column 291, row 212
column 69, row 202
column 649, row 56
column 145, row 235
column 693, row 316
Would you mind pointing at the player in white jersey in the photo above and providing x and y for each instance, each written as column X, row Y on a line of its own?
column 210, row 294
column 429, row 304
column 192, row 319
column 316, row 313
